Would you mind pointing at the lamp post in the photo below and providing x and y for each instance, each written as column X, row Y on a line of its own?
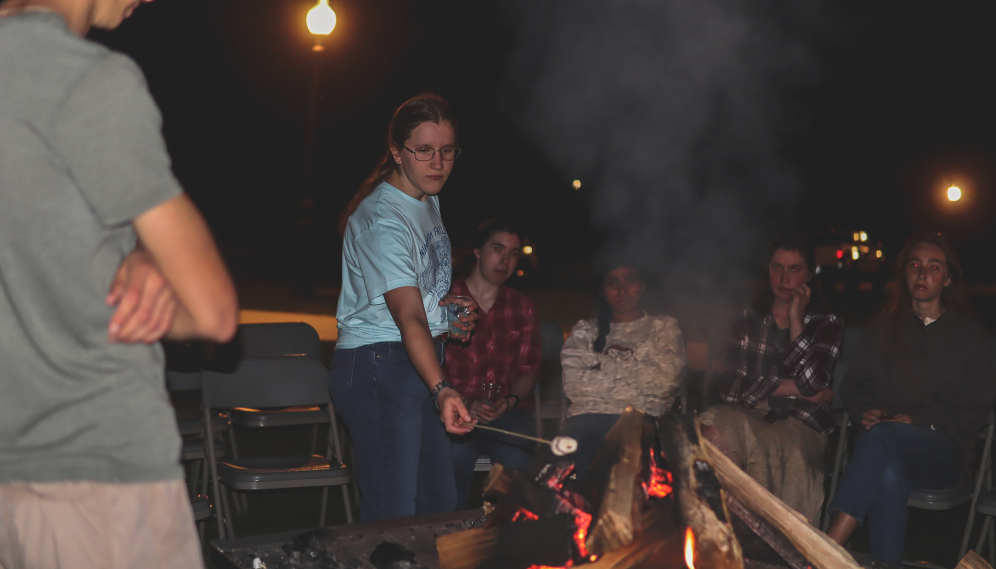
column 321, row 22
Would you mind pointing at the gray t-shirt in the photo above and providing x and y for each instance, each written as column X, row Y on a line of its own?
column 81, row 155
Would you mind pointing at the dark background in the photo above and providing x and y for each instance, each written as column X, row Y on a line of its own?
column 900, row 109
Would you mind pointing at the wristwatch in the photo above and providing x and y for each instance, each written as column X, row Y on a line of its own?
column 437, row 390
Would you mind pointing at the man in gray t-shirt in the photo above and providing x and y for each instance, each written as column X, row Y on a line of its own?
column 86, row 427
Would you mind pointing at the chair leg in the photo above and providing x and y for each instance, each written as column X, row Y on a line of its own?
column 325, row 505
column 345, row 501
column 356, row 485
column 228, row 515
column 195, row 471
column 982, row 536
column 201, row 525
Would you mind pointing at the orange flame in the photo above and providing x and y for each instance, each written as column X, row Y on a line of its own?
column 690, row 548
column 660, row 480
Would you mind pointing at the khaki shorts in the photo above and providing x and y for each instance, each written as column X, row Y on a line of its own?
column 58, row 525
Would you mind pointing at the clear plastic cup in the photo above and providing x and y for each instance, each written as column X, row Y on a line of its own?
column 453, row 313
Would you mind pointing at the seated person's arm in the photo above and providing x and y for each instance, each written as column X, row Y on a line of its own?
column 810, row 361
column 857, row 390
column 175, row 235
column 527, row 365
column 736, row 385
column 405, row 305
column 578, row 361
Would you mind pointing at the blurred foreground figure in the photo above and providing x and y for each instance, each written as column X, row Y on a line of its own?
column 624, row 357
column 101, row 255
column 779, row 361
column 495, row 371
column 921, row 382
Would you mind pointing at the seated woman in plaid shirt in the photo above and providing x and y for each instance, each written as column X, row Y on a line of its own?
column 495, row 371
column 779, row 368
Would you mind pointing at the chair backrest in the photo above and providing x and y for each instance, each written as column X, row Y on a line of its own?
column 852, row 337
column 552, row 339
column 183, row 381
column 267, row 382
column 279, row 339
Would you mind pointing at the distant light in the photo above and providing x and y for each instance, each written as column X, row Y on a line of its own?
column 878, row 254
column 321, row 19
column 520, row 272
column 528, row 250
column 857, row 236
column 818, row 269
column 855, row 254
column 577, row 184
column 864, row 248
column 840, row 265
column 840, row 254
column 954, row 193
column 864, row 236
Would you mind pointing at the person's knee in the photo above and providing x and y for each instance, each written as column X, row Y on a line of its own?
column 895, row 479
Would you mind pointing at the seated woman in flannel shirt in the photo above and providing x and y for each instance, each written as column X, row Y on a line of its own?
column 779, row 362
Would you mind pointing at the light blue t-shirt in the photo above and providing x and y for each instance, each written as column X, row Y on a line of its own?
column 392, row 240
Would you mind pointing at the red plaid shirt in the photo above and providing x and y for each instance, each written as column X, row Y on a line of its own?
column 504, row 346
column 758, row 360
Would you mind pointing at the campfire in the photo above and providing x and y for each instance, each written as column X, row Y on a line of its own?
column 655, row 496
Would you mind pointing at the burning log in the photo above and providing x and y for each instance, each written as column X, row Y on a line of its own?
column 700, row 496
column 773, row 544
column 973, row 560
column 659, row 545
column 546, row 541
column 614, row 482
column 820, row 550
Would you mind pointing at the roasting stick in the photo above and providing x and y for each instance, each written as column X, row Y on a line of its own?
column 559, row 445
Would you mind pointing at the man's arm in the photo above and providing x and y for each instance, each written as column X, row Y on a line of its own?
column 178, row 239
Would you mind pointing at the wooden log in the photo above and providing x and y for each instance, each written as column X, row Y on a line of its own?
column 820, row 550
column 778, row 547
column 973, row 560
column 617, row 503
column 700, row 496
column 661, row 544
column 510, row 546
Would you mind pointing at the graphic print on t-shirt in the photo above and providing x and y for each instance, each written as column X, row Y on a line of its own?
column 436, row 257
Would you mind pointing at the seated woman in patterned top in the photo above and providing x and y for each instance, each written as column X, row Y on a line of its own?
column 625, row 357
column 779, row 361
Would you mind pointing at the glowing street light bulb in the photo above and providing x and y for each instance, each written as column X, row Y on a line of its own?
column 864, row 236
column 577, row 184
column 321, row 19
column 527, row 250
column 855, row 254
column 954, row 193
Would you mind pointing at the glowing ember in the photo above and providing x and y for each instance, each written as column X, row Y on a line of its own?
column 524, row 514
column 690, row 548
column 582, row 520
column 660, row 480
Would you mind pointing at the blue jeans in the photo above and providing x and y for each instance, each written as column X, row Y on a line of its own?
column 510, row 452
column 589, row 429
column 400, row 451
column 890, row 460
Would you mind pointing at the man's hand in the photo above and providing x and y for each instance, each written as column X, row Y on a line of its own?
column 145, row 302
column 822, row 397
column 453, row 413
column 797, row 309
column 466, row 323
column 871, row 417
column 486, row 411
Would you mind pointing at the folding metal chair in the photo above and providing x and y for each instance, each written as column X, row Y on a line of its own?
column 274, row 382
column 852, row 337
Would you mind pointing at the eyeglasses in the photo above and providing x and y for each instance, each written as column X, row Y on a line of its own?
column 426, row 153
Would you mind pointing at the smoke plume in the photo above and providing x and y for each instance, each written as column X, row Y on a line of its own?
column 673, row 113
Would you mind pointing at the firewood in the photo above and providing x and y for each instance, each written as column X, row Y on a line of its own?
column 778, row 547
column 973, row 560
column 819, row 549
column 661, row 544
column 617, row 507
column 700, row 496
column 510, row 546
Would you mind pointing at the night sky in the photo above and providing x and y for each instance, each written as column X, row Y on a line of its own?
column 900, row 106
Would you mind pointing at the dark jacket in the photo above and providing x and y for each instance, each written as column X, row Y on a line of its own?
column 940, row 374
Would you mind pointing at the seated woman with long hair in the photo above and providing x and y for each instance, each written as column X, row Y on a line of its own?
column 779, row 365
column 624, row 357
column 921, row 384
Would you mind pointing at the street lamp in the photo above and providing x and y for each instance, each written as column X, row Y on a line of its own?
column 954, row 193
column 321, row 22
